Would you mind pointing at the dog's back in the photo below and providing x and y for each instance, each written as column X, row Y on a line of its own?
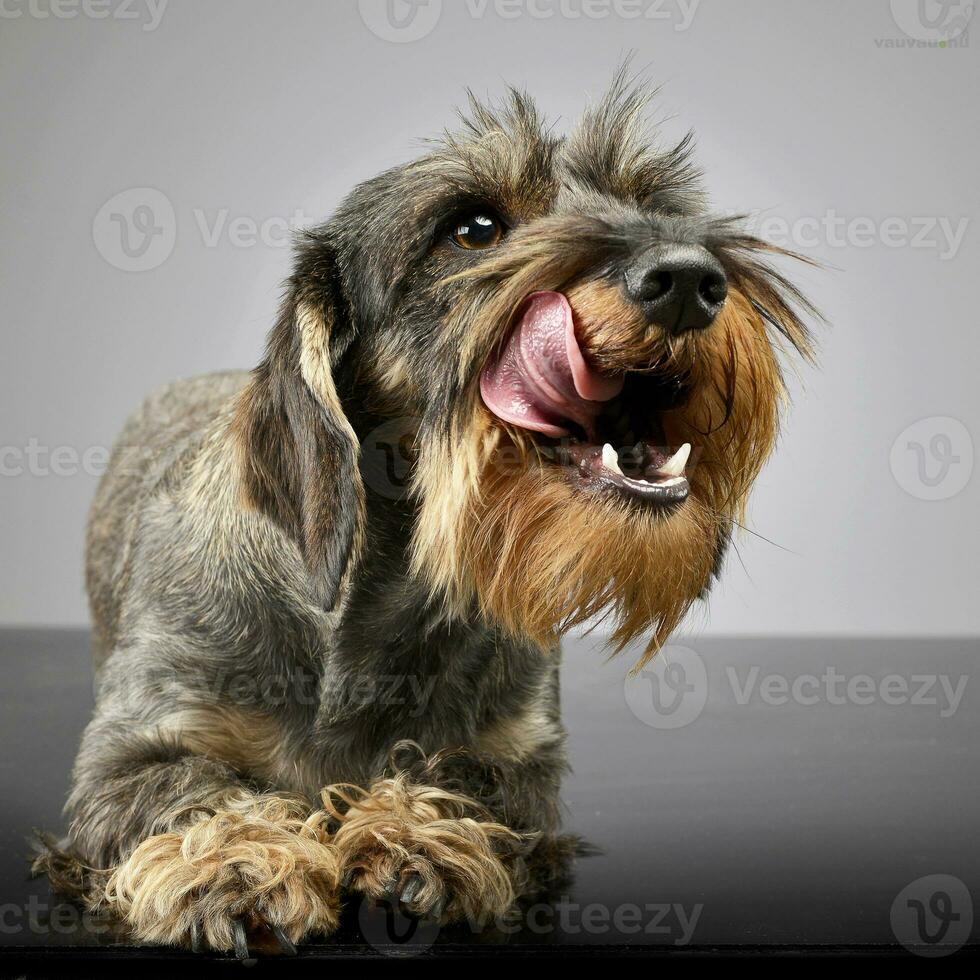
column 167, row 427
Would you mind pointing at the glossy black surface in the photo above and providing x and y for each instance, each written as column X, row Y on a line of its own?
column 792, row 818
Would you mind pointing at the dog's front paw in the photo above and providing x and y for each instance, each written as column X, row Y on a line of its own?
column 433, row 852
column 250, row 871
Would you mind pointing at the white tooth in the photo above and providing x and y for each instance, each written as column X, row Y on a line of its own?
column 675, row 465
column 610, row 459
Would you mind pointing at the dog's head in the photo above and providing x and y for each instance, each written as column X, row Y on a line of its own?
column 591, row 359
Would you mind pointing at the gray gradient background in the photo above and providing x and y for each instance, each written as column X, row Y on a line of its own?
column 267, row 108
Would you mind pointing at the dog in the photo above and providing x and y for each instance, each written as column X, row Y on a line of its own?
column 583, row 366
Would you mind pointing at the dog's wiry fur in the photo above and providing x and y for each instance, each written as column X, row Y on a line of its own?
column 259, row 859
column 463, row 860
column 235, row 546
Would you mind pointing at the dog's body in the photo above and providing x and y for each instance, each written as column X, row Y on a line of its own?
column 268, row 623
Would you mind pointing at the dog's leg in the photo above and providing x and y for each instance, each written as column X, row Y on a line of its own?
column 191, row 855
column 447, row 836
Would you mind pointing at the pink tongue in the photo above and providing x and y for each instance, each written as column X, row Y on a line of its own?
column 540, row 380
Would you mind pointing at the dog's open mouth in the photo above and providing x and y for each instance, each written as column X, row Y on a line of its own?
column 608, row 432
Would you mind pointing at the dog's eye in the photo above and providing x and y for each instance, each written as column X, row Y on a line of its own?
column 482, row 229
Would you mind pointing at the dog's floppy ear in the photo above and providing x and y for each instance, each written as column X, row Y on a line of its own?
column 299, row 452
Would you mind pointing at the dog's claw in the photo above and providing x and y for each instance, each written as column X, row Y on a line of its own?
column 285, row 943
column 196, row 944
column 241, row 940
column 411, row 888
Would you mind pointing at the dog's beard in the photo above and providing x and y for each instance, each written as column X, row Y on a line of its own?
column 544, row 557
column 504, row 531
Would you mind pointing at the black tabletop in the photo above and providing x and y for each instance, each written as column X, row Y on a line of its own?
column 741, row 794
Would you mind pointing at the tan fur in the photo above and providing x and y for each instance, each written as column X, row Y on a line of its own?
column 253, row 742
column 396, row 828
column 545, row 558
column 732, row 418
column 394, row 376
column 612, row 331
column 315, row 363
column 317, row 371
column 257, row 858
column 515, row 738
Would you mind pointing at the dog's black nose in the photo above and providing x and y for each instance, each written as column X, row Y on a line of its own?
column 679, row 287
